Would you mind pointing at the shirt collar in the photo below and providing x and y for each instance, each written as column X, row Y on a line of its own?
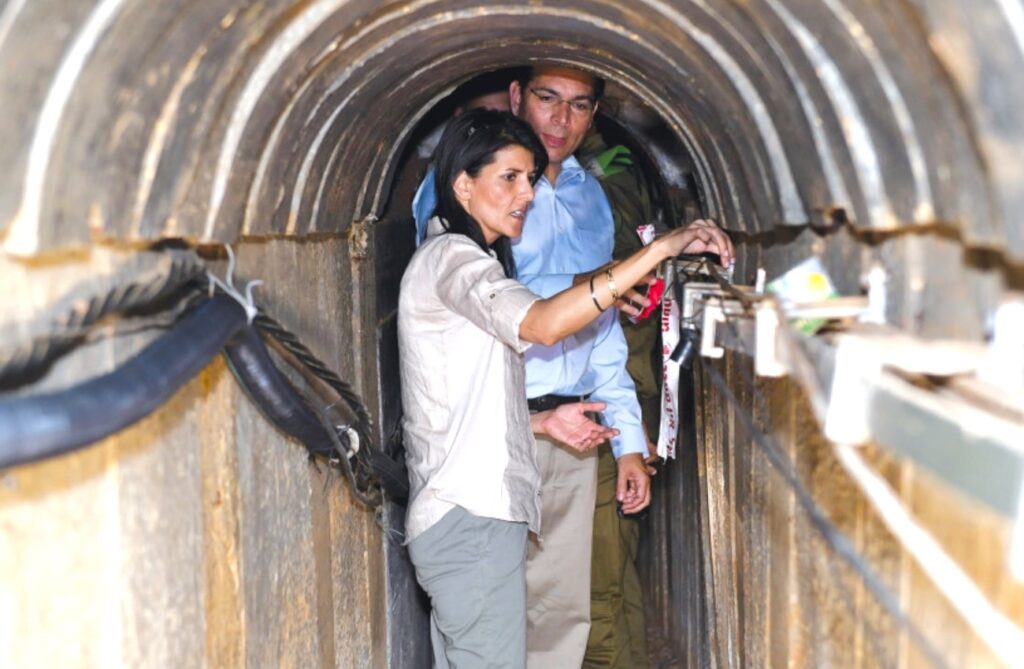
column 572, row 172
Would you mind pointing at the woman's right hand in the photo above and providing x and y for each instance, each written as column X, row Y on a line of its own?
column 570, row 425
column 701, row 236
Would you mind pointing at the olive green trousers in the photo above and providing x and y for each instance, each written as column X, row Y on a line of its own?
column 618, row 634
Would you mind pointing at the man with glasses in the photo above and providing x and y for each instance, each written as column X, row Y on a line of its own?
column 569, row 232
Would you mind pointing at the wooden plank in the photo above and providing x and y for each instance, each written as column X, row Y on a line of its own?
column 837, row 587
column 222, row 564
column 751, row 521
column 60, row 527
column 720, row 574
column 705, row 430
column 978, row 541
column 736, row 447
column 784, row 634
column 684, row 541
column 345, row 559
column 878, row 639
column 159, row 550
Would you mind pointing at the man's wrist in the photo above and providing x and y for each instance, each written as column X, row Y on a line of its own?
column 625, row 458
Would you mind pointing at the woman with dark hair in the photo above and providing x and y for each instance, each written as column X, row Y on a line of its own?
column 463, row 324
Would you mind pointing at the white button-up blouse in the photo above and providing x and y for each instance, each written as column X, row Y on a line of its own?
column 466, row 425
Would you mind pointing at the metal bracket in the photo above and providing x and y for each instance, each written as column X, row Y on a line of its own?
column 766, row 337
column 713, row 315
column 876, row 384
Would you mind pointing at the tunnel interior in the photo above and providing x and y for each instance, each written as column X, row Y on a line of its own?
column 866, row 134
column 218, row 123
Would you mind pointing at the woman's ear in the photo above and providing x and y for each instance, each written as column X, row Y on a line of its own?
column 463, row 186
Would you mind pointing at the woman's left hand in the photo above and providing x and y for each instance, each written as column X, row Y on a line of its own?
column 570, row 425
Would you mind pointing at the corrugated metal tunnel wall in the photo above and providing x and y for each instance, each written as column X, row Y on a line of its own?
column 858, row 131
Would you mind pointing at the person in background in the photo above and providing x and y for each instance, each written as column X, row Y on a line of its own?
column 463, row 324
column 618, row 631
column 571, row 232
column 485, row 91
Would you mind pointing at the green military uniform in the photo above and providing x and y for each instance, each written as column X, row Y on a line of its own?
column 617, row 629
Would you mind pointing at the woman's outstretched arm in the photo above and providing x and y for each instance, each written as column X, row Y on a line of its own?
column 552, row 319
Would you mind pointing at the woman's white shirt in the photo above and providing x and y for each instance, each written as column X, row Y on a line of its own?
column 466, row 425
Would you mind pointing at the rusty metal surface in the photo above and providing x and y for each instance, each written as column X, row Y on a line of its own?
column 215, row 119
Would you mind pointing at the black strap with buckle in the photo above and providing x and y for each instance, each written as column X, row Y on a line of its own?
column 548, row 402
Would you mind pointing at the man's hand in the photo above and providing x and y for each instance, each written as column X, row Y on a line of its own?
column 569, row 424
column 632, row 302
column 652, row 458
column 634, row 486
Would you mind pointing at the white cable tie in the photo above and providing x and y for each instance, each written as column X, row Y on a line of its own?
column 248, row 294
column 228, row 286
column 230, row 276
column 991, row 625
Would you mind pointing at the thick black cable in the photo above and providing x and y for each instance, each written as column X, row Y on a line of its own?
column 389, row 472
column 40, row 426
column 287, row 408
column 836, row 540
column 69, row 321
column 274, row 394
column 294, row 346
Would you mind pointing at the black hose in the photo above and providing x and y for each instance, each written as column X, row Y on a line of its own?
column 36, row 427
column 287, row 408
column 291, row 343
column 66, row 324
column 274, row 394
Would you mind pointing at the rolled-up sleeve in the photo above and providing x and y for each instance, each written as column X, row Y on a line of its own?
column 472, row 284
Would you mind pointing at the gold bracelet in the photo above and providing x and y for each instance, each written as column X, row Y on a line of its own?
column 611, row 284
column 593, row 295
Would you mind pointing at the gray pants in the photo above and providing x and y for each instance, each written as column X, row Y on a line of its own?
column 473, row 569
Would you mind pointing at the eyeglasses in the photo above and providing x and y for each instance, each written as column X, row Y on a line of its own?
column 551, row 101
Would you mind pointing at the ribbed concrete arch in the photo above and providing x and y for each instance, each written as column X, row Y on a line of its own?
column 211, row 119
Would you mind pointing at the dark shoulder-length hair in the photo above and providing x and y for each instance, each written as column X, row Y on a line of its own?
column 468, row 144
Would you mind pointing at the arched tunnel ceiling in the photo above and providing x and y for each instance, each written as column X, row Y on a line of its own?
column 210, row 119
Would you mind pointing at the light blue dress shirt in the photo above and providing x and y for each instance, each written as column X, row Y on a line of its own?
column 423, row 204
column 569, row 230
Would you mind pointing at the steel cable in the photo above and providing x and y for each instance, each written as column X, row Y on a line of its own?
column 67, row 323
column 388, row 471
column 72, row 320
